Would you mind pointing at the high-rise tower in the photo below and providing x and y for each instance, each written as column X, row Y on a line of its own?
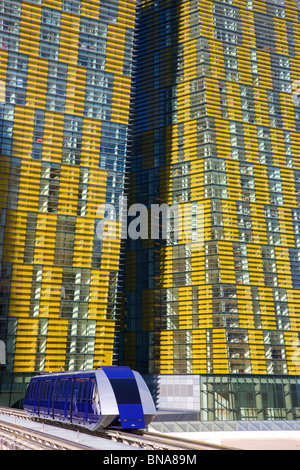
column 211, row 304
column 216, row 131
column 65, row 71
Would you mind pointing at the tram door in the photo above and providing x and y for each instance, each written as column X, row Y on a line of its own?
column 59, row 399
column 93, row 404
column 68, row 407
column 78, row 411
column 81, row 402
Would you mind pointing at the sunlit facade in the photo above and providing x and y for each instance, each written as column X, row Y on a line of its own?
column 216, row 130
column 65, row 93
column 200, row 99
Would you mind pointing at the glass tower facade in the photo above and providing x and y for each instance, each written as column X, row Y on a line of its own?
column 65, row 93
column 216, row 131
column 202, row 96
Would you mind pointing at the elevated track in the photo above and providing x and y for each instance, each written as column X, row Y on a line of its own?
column 15, row 436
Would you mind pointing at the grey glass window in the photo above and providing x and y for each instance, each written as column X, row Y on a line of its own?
column 73, row 6
column 64, row 241
column 49, row 187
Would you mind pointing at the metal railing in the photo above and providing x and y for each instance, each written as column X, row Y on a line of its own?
column 16, row 437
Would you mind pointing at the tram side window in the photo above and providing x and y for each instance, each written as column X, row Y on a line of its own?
column 81, row 390
column 51, row 388
column 69, row 387
column 65, row 389
column 46, row 388
column 95, row 398
column 57, row 388
column 29, row 393
column 61, row 396
column 60, row 388
column 78, row 389
column 37, row 389
column 91, row 389
column 84, row 391
column 42, row 392
column 34, row 389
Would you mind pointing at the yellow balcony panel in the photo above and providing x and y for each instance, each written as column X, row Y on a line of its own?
column 29, row 325
column 294, row 319
column 166, row 354
column 23, row 358
column 106, row 337
column 55, row 357
column 220, row 368
column 248, row 28
column 90, row 8
column 283, row 267
column 57, row 329
column 292, row 352
column 69, row 35
column 29, row 36
column 54, row 365
column 199, row 368
column 24, row 348
column 268, row 322
column 291, row 11
column 256, row 339
column 258, row 368
column 27, row 365
column 46, row 312
column 257, row 356
column 166, row 368
column 97, row 314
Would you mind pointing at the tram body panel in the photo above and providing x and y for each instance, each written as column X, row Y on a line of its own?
column 127, row 397
column 105, row 403
column 149, row 410
column 108, row 396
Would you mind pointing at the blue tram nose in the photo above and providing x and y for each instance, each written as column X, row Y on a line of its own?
column 127, row 396
column 131, row 416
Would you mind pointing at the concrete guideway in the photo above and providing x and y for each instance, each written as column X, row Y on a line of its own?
column 240, row 434
column 16, row 437
column 249, row 440
column 17, row 432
